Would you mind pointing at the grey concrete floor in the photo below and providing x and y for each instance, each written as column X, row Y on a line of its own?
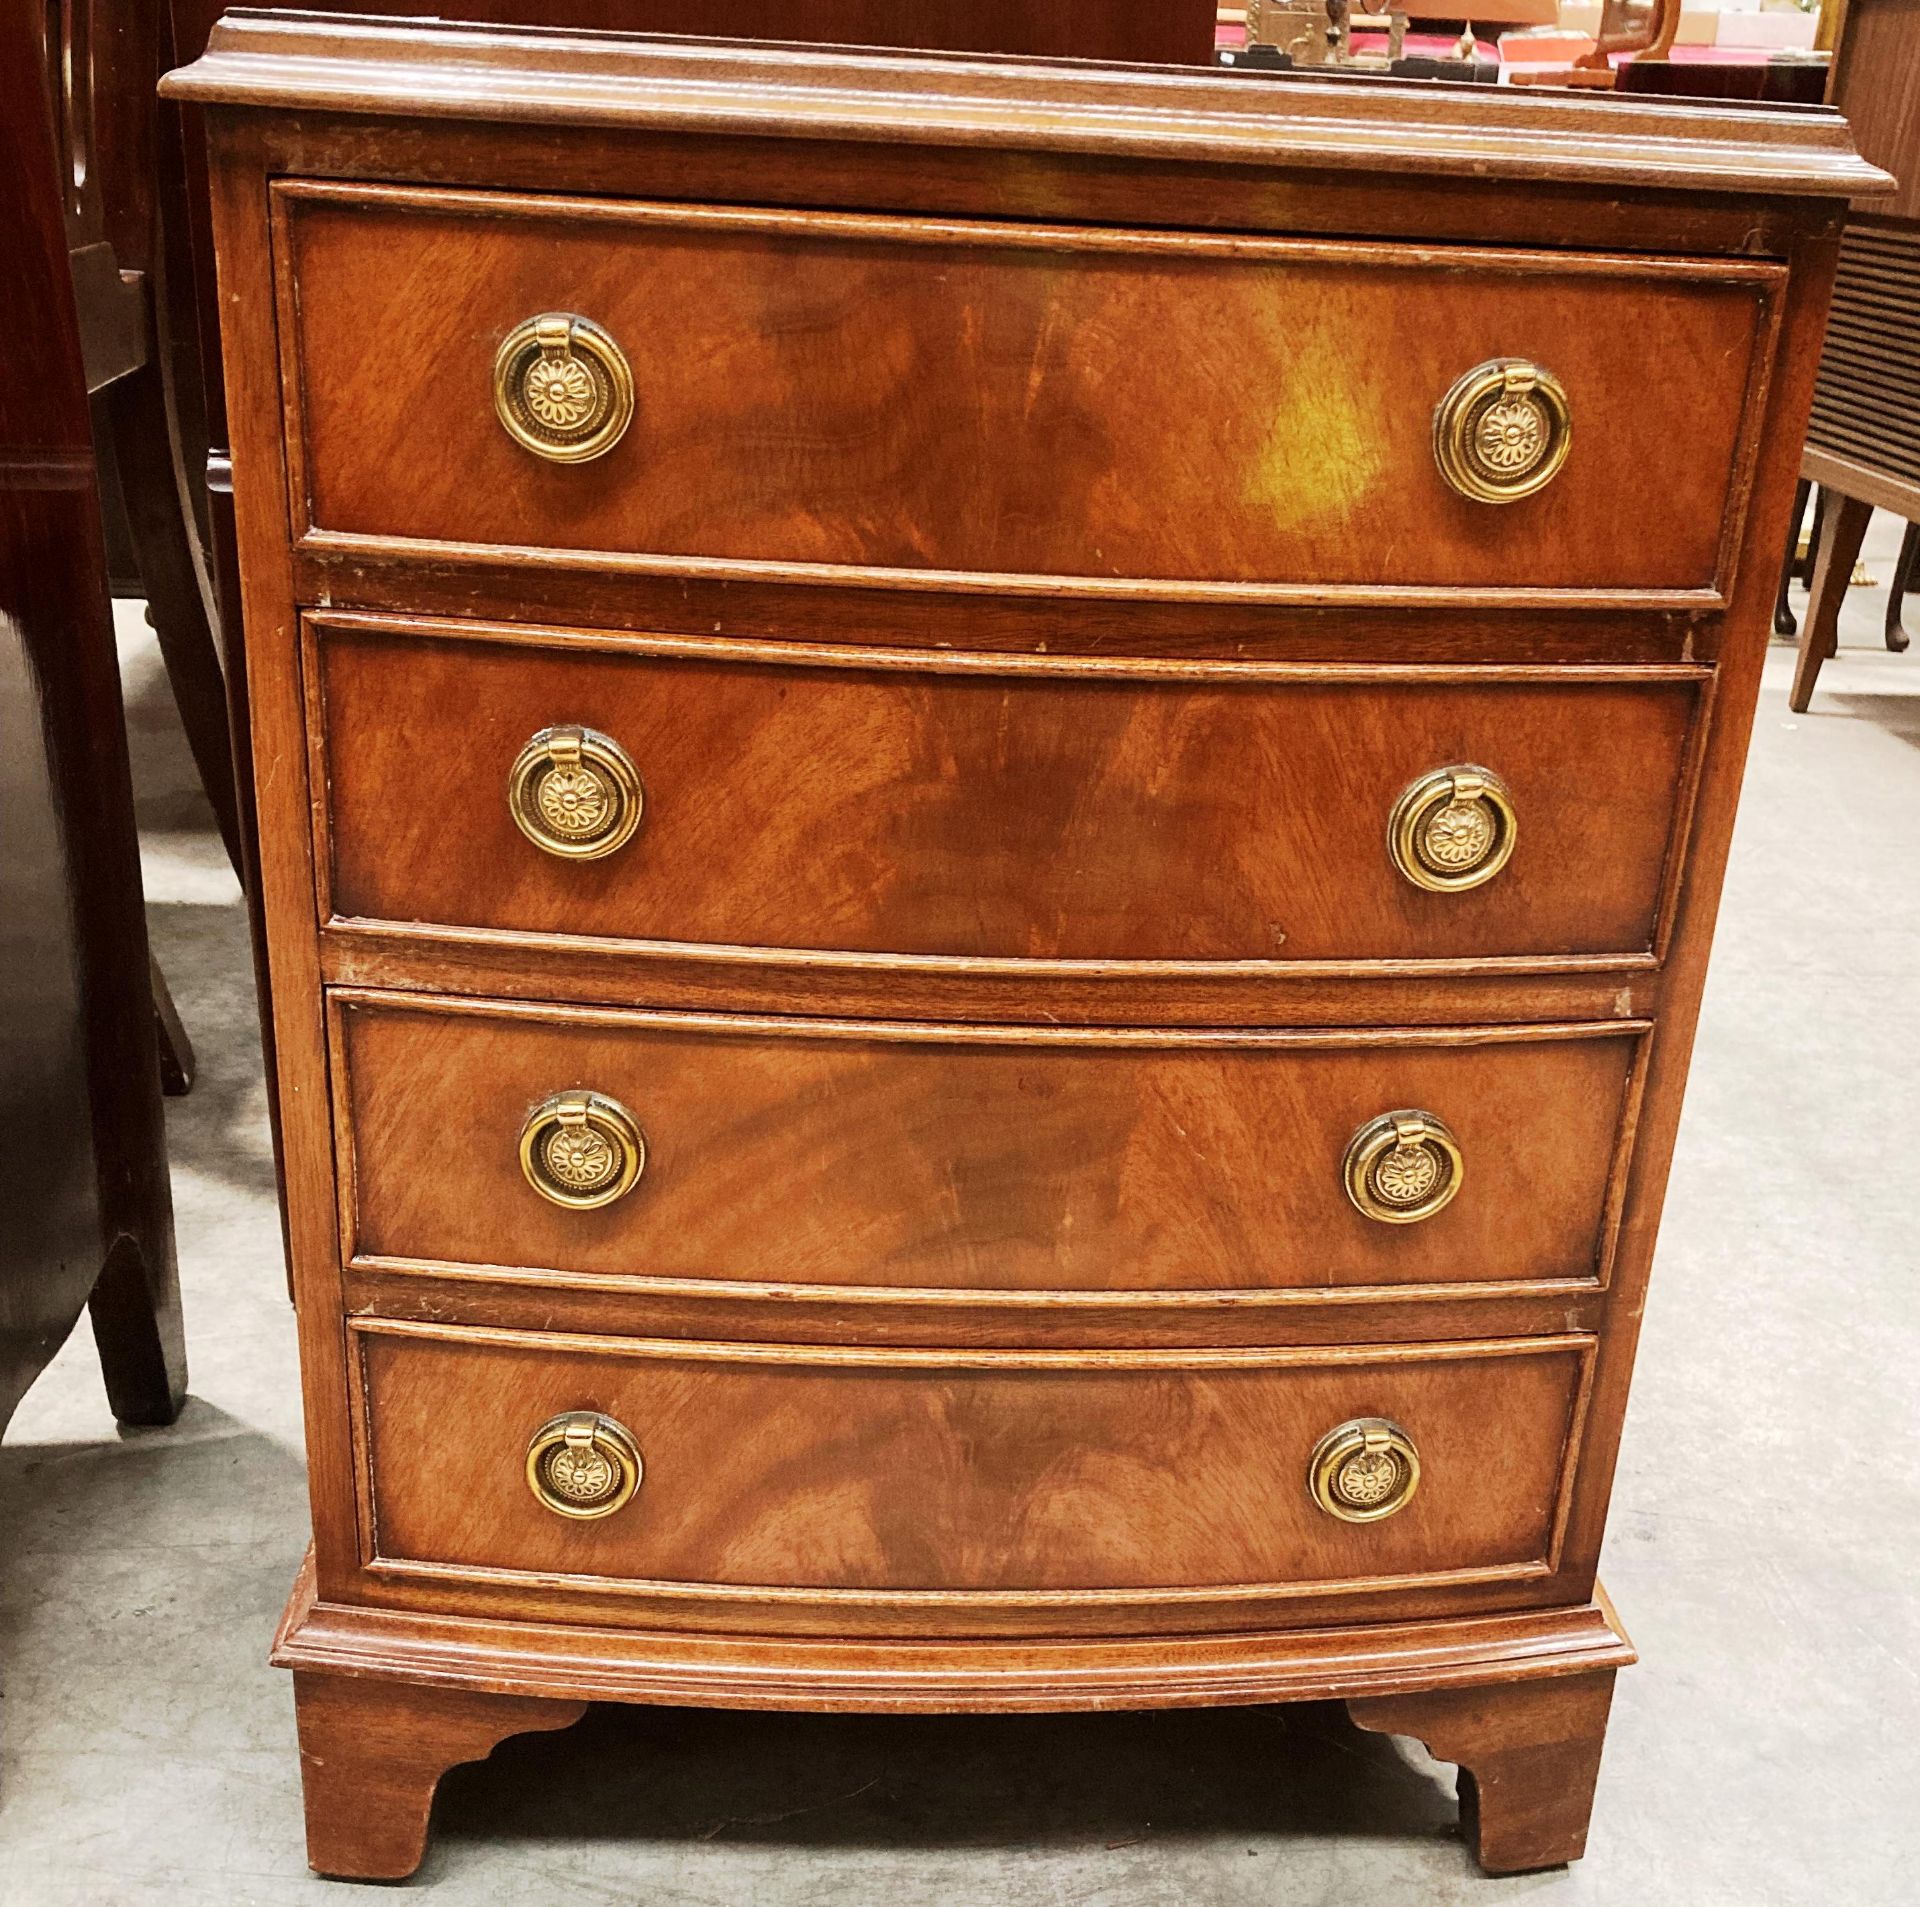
column 1764, row 1551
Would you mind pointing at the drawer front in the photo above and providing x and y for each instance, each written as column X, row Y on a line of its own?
column 982, row 811
column 921, row 399
column 859, row 1155
column 963, row 1479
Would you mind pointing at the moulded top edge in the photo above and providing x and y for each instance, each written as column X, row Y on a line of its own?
column 435, row 69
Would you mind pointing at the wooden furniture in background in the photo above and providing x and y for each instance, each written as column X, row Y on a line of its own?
column 1863, row 440
column 1633, row 32
column 86, row 1215
column 1782, row 80
column 102, row 60
column 983, row 964
column 1803, row 556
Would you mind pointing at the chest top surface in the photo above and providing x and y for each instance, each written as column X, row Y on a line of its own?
column 412, row 70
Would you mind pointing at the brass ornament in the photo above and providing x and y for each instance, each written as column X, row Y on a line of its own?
column 576, row 793
column 562, row 388
column 1453, row 829
column 582, row 1150
column 582, row 1464
column 1503, row 431
column 1403, row 1167
column 1364, row 1470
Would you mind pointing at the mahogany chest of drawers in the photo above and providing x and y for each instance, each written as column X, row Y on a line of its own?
column 990, row 799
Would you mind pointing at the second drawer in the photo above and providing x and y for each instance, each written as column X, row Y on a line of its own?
column 822, row 1153
column 885, row 804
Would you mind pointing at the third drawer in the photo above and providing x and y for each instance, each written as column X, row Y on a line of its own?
column 816, row 1154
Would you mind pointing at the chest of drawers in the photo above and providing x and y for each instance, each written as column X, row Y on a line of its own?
column 990, row 800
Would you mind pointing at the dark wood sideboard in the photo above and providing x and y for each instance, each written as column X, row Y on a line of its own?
column 991, row 797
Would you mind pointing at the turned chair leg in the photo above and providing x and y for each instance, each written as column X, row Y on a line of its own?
column 1528, row 1754
column 1783, row 622
column 372, row 1753
column 1843, row 528
column 1903, row 568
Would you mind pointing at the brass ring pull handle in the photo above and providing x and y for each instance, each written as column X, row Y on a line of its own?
column 582, row 1150
column 1403, row 1167
column 1453, row 829
column 1503, row 431
column 562, row 388
column 582, row 1464
column 1363, row 1470
column 576, row 793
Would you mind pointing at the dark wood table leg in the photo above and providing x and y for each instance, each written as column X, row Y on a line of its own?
column 1783, row 622
column 1803, row 566
column 1897, row 586
column 1843, row 528
column 176, row 1049
column 135, row 1308
column 1528, row 1754
column 372, row 1753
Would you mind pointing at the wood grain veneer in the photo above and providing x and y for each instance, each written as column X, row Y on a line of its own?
column 966, row 807
column 1024, row 582
column 919, row 1487
column 874, row 1152
column 893, row 399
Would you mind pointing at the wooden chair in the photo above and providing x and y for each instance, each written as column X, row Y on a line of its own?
column 1863, row 440
column 86, row 1215
column 1799, row 567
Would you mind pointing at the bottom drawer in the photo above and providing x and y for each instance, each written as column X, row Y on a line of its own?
column 777, row 1474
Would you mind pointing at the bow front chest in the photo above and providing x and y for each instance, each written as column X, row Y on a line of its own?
column 989, row 803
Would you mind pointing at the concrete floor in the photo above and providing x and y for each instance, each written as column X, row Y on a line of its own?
column 1764, row 1549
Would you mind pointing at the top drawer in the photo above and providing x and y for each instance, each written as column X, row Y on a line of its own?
column 913, row 400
